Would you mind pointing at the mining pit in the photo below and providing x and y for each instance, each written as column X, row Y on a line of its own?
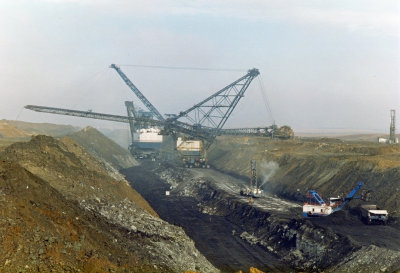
column 53, row 190
column 217, row 238
column 269, row 233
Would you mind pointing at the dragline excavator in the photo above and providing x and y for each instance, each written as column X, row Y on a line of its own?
column 193, row 129
column 200, row 123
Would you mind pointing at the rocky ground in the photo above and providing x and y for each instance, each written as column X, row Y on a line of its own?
column 207, row 205
column 65, row 207
column 215, row 235
column 63, row 210
column 42, row 231
column 330, row 166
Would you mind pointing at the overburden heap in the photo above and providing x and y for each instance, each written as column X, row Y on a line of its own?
column 62, row 211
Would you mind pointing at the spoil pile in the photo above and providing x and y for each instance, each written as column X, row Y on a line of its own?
column 41, row 231
column 54, row 130
column 104, row 148
column 71, row 170
column 62, row 211
column 7, row 130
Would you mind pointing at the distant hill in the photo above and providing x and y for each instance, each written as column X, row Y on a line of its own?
column 90, row 138
column 54, row 130
column 104, row 148
column 346, row 135
column 8, row 130
column 364, row 137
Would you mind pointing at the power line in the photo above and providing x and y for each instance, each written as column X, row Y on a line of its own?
column 185, row 68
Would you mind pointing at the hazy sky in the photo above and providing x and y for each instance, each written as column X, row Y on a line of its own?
column 324, row 64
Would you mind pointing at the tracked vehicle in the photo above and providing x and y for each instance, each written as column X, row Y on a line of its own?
column 315, row 206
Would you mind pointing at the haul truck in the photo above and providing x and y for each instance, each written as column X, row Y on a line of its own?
column 371, row 214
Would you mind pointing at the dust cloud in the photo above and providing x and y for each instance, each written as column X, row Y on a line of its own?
column 267, row 170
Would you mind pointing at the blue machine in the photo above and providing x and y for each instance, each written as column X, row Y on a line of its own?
column 350, row 196
column 316, row 206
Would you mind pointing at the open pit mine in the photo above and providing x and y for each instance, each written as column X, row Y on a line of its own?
column 270, row 232
column 81, row 203
column 188, row 195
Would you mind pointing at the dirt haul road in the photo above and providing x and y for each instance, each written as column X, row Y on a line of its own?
column 269, row 234
column 233, row 186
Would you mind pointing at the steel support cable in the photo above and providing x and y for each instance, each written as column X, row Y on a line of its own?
column 185, row 68
column 86, row 85
column 265, row 98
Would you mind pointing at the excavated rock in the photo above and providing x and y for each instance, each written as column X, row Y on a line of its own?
column 332, row 167
column 369, row 259
column 41, row 231
column 168, row 245
column 72, row 170
column 62, row 211
column 305, row 245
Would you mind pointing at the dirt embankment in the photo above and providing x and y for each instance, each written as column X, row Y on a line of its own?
column 332, row 167
column 62, row 211
column 41, row 231
column 270, row 228
column 104, row 148
column 50, row 129
column 333, row 245
column 211, row 232
column 7, row 130
column 12, row 131
column 71, row 170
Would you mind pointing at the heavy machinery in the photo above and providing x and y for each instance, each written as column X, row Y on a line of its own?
column 192, row 153
column 371, row 214
column 315, row 206
column 200, row 123
column 273, row 131
column 146, row 140
column 252, row 190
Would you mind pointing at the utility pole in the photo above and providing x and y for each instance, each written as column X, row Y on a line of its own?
column 392, row 136
column 253, row 181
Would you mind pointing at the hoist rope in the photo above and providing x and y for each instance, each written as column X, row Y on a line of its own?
column 265, row 98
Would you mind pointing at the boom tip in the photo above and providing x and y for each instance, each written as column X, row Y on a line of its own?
column 254, row 72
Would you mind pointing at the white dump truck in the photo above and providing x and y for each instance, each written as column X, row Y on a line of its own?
column 371, row 214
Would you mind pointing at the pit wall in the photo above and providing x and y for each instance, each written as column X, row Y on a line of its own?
column 297, row 242
column 328, row 166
